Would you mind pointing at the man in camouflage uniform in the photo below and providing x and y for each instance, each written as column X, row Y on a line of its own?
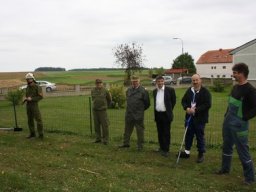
column 33, row 96
column 101, row 98
column 137, row 102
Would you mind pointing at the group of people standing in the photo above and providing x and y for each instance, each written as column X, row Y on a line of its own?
column 196, row 103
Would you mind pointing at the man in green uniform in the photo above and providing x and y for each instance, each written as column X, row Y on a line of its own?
column 101, row 98
column 33, row 95
column 137, row 102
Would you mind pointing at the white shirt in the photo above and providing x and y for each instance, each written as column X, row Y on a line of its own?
column 160, row 106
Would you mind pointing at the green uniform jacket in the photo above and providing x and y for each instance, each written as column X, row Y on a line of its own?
column 137, row 102
column 35, row 92
column 101, row 98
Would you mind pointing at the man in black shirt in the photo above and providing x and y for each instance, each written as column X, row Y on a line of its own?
column 241, row 108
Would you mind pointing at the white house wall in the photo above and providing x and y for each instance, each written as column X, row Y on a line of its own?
column 248, row 56
column 215, row 70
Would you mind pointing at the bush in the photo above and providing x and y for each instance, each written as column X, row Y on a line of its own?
column 218, row 86
column 118, row 96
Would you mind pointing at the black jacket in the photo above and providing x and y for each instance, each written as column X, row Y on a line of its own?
column 203, row 104
column 247, row 94
column 169, row 101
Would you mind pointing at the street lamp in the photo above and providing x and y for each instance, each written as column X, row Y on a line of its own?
column 181, row 43
column 181, row 52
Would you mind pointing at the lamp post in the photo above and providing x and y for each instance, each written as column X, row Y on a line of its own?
column 181, row 44
column 181, row 52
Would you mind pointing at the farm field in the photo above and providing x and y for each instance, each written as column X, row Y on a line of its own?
column 71, row 77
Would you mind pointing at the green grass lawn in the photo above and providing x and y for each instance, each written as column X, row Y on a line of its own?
column 64, row 162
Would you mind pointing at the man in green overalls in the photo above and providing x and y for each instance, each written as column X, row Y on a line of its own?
column 101, row 98
column 33, row 95
column 241, row 108
column 137, row 102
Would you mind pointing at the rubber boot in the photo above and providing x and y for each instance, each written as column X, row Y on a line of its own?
column 248, row 172
column 226, row 164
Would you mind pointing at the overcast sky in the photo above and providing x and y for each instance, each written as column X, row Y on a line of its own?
column 83, row 33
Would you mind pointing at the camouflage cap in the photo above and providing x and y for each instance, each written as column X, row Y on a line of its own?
column 98, row 81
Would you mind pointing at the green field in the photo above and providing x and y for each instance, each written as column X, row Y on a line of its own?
column 88, row 77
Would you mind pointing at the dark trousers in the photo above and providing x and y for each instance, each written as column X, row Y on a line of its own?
column 163, row 125
column 198, row 130
column 235, row 132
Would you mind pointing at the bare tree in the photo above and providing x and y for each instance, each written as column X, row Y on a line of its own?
column 129, row 57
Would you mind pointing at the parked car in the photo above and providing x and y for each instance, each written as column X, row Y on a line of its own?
column 184, row 80
column 168, row 80
column 48, row 85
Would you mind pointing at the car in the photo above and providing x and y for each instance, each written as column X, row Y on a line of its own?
column 168, row 80
column 184, row 80
column 48, row 85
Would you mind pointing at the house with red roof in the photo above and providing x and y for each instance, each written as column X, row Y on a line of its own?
column 215, row 64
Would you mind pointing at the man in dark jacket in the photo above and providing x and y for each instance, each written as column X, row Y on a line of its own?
column 137, row 102
column 33, row 95
column 196, row 102
column 164, row 102
column 241, row 108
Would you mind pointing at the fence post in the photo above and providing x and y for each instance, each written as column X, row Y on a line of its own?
column 90, row 106
column 77, row 88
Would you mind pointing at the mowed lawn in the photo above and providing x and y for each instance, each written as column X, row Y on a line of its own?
column 66, row 162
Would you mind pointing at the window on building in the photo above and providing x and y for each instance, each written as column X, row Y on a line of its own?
column 224, row 67
column 212, row 76
column 214, row 67
column 218, row 76
column 223, row 76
